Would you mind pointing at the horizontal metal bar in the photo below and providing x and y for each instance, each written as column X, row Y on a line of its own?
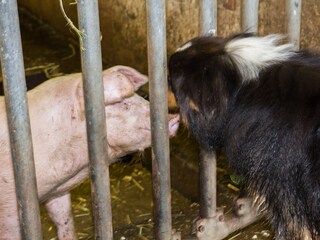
column 88, row 15
column 18, row 121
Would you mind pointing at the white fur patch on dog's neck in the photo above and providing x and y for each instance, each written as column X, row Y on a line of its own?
column 252, row 54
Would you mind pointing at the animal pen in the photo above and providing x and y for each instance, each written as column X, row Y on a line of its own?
column 91, row 62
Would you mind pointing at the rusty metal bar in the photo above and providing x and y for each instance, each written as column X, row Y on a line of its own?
column 249, row 15
column 89, row 25
column 18, row 121
column 208, row 17
column 294, row 22
column 157, row 65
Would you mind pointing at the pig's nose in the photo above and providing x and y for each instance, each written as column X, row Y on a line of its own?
column 173, row 124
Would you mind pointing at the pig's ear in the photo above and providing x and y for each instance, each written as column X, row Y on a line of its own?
column 135, row 77
column 116, row 87
column 121, row 82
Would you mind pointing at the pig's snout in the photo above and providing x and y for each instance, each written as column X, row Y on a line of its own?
column 174, row 120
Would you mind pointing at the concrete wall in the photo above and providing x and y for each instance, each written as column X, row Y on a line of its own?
column 123, row 24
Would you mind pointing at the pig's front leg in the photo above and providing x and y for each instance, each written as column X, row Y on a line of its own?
column 59, row 210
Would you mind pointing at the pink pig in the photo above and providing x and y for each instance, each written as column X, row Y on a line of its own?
column 58, row 128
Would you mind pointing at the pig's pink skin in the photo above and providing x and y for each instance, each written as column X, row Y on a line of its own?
column 60, row 146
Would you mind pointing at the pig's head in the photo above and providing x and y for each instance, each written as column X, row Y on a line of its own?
column 127, row 113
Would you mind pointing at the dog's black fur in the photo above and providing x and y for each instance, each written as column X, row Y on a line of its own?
column 269, row 123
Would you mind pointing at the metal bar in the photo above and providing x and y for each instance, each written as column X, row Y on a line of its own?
column 208, row 183
column 294, row 21
column 88, row 15
column 208, row 17
column 18, row 121
column 249, row 15
column 157, row 65
column 207, row 168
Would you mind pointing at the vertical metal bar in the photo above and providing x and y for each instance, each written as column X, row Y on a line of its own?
column 208, row 17
column 157, row 65
column 88, row 14
column 208, row 182
column 294, row 21
column 249, row 15
column 18, row 121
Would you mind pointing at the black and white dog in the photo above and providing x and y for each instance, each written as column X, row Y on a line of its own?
column 261, row 101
